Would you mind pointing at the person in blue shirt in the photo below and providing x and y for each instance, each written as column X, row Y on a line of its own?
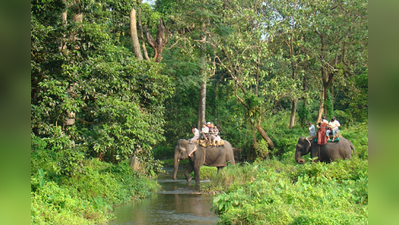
column 312, row 131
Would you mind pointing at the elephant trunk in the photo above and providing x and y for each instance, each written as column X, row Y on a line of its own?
column 175, row 165
column 298, row 157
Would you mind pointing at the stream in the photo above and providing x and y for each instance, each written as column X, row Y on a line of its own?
column 176, row 202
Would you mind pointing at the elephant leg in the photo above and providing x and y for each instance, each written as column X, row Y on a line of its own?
column 315, row 152
column 187, row 172
column 197, row 169
column 220, row 168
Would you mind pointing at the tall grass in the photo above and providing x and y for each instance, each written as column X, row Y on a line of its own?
column 280, row 191
column 87, row 197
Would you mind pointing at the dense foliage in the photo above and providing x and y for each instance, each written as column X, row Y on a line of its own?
column 86, row 197
column 264, row 59
column 267, row 69
column 90, row 98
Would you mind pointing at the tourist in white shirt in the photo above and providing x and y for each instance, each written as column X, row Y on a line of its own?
column 334, row 125
column 195, row 133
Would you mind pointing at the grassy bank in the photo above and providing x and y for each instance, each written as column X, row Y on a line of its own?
column 271, row 192
column 280, row 191
column 87, row 197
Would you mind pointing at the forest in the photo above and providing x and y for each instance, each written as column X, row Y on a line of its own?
column 116, row 80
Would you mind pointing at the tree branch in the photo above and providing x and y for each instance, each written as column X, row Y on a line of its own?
column 150, row 39
column 142, row 37
column 239, row 98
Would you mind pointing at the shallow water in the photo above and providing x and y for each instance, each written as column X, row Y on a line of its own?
column 176, row 202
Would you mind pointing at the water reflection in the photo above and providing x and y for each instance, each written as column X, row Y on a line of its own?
column 177, row 202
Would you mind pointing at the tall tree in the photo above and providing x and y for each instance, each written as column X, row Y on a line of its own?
column 270, row 53
column 159, row 43
column 190, row 20
column 118, row 102
column 203, row 75
column 337, row 30
column 288, row 45
column 134, row 35
column 136, row 29
column 242, row 50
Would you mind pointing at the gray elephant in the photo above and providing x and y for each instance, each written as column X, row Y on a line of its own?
column 326, row 153
column 209, row 156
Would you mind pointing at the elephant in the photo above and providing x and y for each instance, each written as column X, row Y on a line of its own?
column 328, row 152
column 199, row 155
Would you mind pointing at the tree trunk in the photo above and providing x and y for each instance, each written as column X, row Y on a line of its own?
column 321, row 107
column 251, row 155
column 133, row 34
column 293, row 111
column 202, row 104
column 326, row 88
column 134, row 163
column 294, row 100
column 202, row 100
column 304, row 100
column 257, row 73
column 327, row 77
column 264, row 135
column 160, row 42
column 64, row 16
column 64, row 13
column 142, row 37
column 332, row 98
column 324, row 79
column 325, row 92
column 77, row 18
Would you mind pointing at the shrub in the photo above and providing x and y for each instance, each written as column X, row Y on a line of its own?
column 56, row 155
column 207, row 171
column 272, row 192
column 87, row 197
column 55, row 204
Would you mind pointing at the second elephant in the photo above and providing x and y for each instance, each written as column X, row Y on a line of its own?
column 208, row 156
column 328, row 152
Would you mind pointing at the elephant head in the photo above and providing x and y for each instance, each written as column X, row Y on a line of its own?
column 302, row 148
column 182, row 150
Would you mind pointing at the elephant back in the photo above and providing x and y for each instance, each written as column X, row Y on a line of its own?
column 229, row 152
column 205, row 143
column 219, row 156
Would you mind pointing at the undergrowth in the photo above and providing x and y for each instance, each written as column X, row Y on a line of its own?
column 270, row 192
column 88, row 195
column 280, row 191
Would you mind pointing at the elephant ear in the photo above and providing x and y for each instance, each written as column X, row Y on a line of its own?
column 307, row 145
column 181, row 147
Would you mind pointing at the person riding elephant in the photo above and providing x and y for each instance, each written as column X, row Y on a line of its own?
column 333, row 125
column 321, row 132
column 199, row 156
column 312, row 131
column 328, row 152
column 204, row 132
column 215, row 138
column 195, row 132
